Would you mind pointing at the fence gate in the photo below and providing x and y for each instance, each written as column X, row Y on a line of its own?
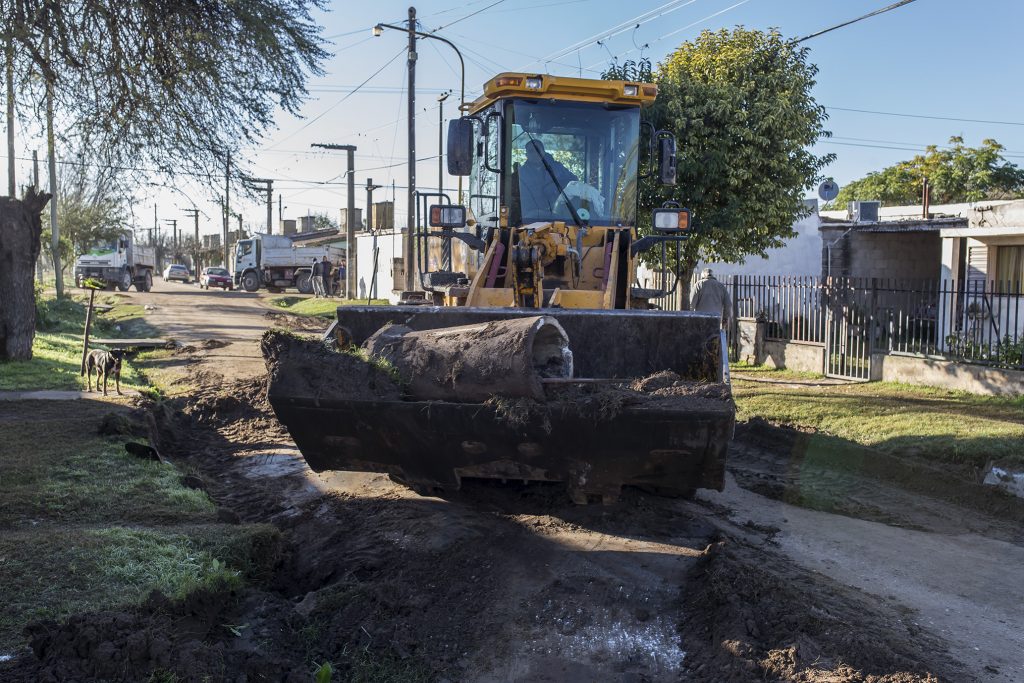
column 848, row 322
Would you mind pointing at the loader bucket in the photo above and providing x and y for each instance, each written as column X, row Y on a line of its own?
column 671, row 444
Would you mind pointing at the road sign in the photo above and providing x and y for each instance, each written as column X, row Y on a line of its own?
column 828, row 190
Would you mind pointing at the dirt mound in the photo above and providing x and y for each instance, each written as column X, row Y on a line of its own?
column 306, row 369
column 754, row 616
column 291, row 321
column 210, row 631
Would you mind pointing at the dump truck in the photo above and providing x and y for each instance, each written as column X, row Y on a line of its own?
column 119, row 262
column 539, row 359
column 276, row 262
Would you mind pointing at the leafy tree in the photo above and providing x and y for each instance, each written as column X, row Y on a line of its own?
column 957, row 174
column 739, row 103
column 172, row 85
column 321, row 221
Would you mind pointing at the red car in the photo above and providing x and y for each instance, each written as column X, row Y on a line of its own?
column 216, row 277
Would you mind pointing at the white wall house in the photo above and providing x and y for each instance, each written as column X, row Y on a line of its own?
column 389, row 281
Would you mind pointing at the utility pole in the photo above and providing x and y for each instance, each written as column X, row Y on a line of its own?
column 410, row 210
column 9, row 53
column 35, row 169
column 351, row 262
column 194, row 213
column 51, row 151
column 440, row 142
column 280, row 213
column 227, row 206
column 370, row 187
column 269, row 183
column 173, row 222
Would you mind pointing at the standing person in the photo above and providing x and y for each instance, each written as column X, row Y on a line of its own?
column 711, row 296
column 318, row 281
column 325, row 273
column 342, row 282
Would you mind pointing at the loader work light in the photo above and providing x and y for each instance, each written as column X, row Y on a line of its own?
column 630, row 90
column 533, row 83
column 447, row 216
column 671, row 220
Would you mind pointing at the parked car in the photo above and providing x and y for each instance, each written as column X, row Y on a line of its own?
column 216, row 277
column 176, row 272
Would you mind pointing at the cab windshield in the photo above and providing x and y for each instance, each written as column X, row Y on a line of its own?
column 575, row 162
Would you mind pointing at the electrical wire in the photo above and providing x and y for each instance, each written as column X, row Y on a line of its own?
column 331, row 108
column 926, row 116
column 895, row 5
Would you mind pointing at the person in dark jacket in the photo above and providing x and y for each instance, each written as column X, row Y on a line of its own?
column 325, row 273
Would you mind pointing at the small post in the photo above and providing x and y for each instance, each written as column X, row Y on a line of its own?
column 88, row 324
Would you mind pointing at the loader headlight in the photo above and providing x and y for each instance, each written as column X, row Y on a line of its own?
column 533, row 83
column 630, row 90
column 671, row 220
column 447, row 216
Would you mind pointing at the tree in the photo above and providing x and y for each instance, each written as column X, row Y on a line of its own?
column 19, row 249
column 956, row 174
column 171, row 87
column 739, row 103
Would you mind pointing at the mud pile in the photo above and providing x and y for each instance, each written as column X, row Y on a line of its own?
column 754, row 616
column 306, row 369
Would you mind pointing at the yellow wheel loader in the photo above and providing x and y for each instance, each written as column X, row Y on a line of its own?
column 548, row 234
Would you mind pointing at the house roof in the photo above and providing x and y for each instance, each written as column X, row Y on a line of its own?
column 918, row 225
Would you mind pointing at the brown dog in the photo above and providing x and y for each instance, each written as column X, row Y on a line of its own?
column 106, row 363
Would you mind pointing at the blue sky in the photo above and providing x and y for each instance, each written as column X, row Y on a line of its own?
column 932, row 57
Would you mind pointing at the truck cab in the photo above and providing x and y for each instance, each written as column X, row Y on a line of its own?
column 117, row 262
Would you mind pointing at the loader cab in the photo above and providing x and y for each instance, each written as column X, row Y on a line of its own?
column 549, row 148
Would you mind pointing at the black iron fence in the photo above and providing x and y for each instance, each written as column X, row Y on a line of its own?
column 972, row 321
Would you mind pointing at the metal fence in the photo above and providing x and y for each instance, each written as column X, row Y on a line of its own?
column 973, row 321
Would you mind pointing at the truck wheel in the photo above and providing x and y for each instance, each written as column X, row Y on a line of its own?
column 144, row 283
column 126, row 281
column 250, row 282
column 304, row 283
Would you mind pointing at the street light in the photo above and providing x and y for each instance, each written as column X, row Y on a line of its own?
column 378, row 30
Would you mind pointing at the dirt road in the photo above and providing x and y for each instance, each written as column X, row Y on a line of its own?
column 507, row 583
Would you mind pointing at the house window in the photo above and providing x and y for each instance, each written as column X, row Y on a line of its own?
column 1010, row 268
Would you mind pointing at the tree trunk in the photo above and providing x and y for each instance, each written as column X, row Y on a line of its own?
column 20, row 226
column 685, row 274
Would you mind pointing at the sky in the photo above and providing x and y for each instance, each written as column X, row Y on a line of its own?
column 931, row 58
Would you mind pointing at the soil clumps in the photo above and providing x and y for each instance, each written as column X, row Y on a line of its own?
column 754, row 616
column 301, row 368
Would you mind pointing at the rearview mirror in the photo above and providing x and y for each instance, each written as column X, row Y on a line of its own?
column 460, row 146
column 666, row 158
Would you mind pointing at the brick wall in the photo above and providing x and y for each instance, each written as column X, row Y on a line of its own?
column 905, row 255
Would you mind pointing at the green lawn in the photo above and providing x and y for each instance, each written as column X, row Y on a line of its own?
column 933, row 424
column 323, row 308
column 57, row 349
column 85, row 526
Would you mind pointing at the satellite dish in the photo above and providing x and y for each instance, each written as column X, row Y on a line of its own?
column 828, row 190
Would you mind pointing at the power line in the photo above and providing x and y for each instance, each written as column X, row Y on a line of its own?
column 471, row 14
column 926, row 116
column 330, row 108
column 888, row 8
column 679, row 30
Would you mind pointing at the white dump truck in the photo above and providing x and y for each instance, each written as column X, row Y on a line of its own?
column 120, row 262
column 277, row 262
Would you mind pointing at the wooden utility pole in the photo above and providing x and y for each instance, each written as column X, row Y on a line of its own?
column 51, row 151
column 351, row 261
column 227, row 209
column 370, row 187
column 410, row 211
column 194, row 213
column 9, row 53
